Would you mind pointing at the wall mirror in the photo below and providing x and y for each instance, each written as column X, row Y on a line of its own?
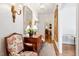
column 27, row 17
column 43, row 14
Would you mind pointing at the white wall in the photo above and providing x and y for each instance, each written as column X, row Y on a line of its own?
column 7, row 26
column 69, row 19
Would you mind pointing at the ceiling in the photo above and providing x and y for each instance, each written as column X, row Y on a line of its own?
column 42, row 7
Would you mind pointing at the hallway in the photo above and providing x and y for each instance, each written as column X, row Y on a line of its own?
column 47, row 50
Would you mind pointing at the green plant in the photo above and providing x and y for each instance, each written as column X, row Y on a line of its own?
column 30, row 31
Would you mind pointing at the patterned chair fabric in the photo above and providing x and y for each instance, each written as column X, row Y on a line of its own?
column 25, row 53
column 15, row 46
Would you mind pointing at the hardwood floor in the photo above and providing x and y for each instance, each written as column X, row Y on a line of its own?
column 68, row 50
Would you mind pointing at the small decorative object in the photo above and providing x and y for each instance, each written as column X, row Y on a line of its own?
column 50, row 31
column 30, row 31
column 13, row 10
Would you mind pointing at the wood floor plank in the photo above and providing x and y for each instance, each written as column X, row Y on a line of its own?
column 68, row 50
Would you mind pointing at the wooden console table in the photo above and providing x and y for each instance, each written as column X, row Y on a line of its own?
column 36, row 40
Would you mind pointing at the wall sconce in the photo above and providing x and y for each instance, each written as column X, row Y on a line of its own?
column 14, row 12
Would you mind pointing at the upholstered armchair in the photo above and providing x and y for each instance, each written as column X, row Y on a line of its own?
column 15, row 47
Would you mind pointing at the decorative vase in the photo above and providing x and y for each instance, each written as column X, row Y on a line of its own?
column 31, row 34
